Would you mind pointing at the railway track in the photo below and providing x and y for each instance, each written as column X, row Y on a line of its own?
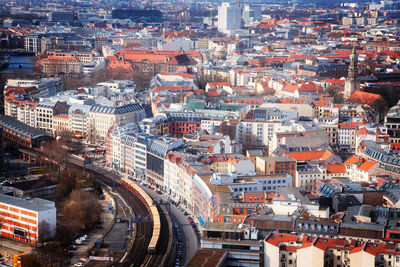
column 138, row 254
column 160, row 257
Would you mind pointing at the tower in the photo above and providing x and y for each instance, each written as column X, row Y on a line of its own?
column 229, row 18
column 352, row 83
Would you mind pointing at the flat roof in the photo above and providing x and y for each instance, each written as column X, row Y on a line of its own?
column 33, row 204
column 220, row 226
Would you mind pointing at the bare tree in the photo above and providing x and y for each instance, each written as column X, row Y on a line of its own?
column 44, row 231
column 336, row 91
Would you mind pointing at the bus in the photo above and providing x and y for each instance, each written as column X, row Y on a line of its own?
column 36, row 170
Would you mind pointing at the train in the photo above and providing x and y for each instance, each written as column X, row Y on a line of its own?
column 152, row 209
column 36, row 170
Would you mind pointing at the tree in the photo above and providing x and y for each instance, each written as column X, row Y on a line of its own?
column 67, row 183
column 381, row 107
column 83, row 210
column 45, row 233
column 336, row 91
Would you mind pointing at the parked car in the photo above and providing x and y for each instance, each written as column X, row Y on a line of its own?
column 72, row 247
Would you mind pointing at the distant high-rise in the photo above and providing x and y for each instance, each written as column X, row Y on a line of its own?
column 251, row 14
column 352, row 83
column 229, row 18
column 61, row 16
column 138, row 15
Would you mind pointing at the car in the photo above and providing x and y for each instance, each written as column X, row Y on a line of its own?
column 78, row 241
column 79, row 264
column 186, row 213
column 99, row 226
column 72, row 247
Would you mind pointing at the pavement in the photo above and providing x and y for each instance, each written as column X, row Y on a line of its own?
column 107, row 220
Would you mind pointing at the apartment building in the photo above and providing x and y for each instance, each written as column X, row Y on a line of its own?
column 103, row 117
column 45, row 112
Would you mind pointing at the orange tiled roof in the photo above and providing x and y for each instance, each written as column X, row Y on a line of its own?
column 353, row 159
column 309, row 155
column 367, row 165
column 335, row 168
column 363, row 98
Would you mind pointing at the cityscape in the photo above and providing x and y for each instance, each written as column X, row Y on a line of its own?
column 200, row 133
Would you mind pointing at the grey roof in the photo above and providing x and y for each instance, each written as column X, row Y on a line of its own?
column 84, row 109
column 34, row 204
column 46, row 104
column 22, row 128
column 116, row 110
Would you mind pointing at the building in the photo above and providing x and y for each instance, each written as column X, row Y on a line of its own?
column 61, row 16
column 60, row 123
column 103, row 117
column 277, row 165
column 46, row 86
column 352, row 83
column 45, row 112
column 229, row 18
column 55, row 65
column 392, row 123
column 309, row 251
column 251, row 14
column 138, row 15
column 240, row 240
column 22, row 219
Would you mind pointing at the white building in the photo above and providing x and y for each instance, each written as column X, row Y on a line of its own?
column 307, row 177
column 46, row 86
column 229, row 18
column 258, row 133
column 22, row 218
column 103, row 117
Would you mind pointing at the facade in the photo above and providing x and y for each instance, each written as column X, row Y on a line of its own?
column 46, row 86
column 276, row 165
column 61, row 16
column 392, row 123
column 54, row 65
column 302, row 250
column 45, row 112
column 21, row 219
column 60, row 123
column 103, row 117
column 229, row 17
